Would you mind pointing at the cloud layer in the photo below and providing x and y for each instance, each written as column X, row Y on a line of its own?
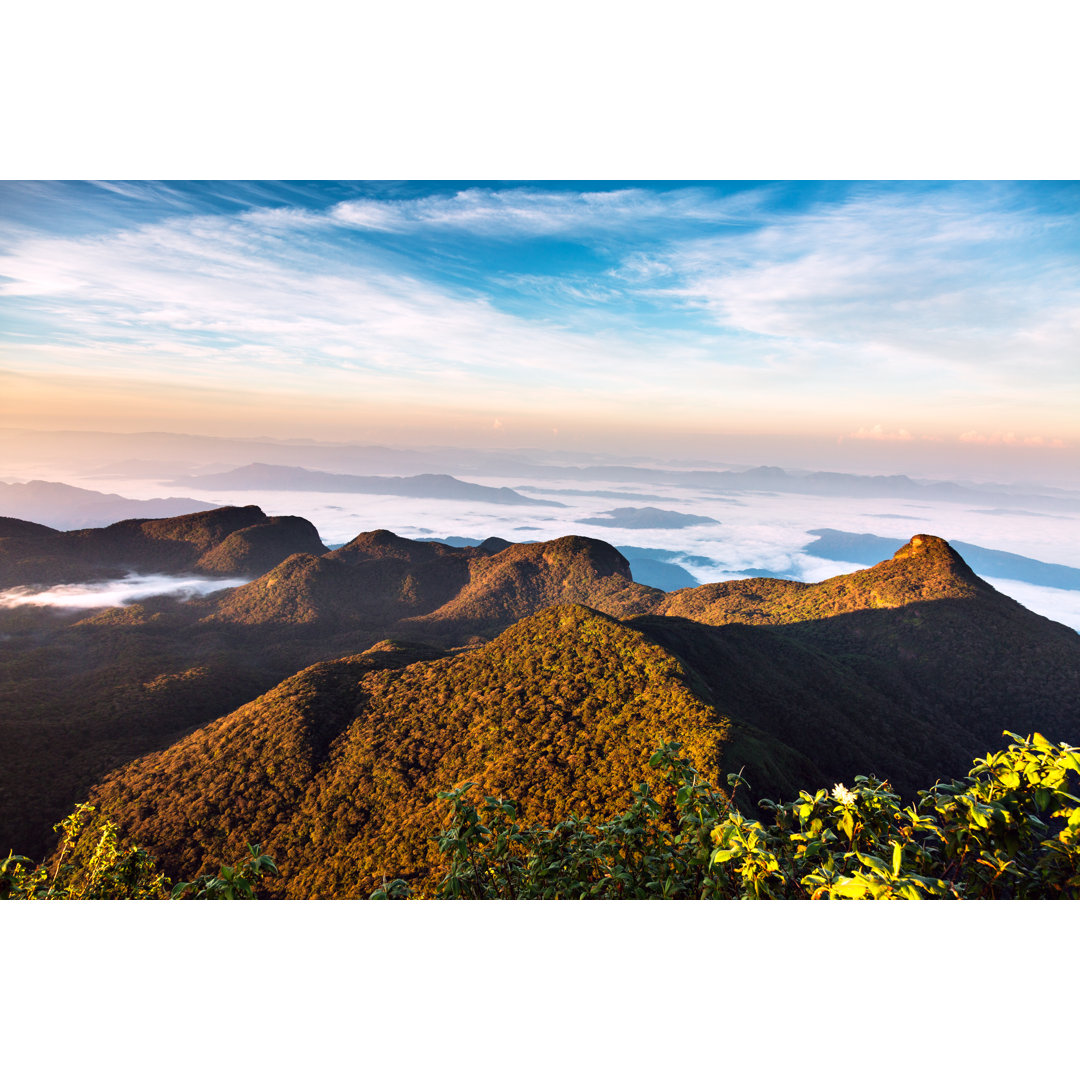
column 116, row 593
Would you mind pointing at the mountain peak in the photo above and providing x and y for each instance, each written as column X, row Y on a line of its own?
column 933, row 560
column 923, row 546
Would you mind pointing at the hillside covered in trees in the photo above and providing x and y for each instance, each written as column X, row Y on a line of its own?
column 542, row 672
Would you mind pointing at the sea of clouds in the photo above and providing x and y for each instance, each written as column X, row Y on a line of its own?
column 753, row 530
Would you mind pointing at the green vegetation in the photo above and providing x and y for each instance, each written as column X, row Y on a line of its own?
column 230, row 882
column 1009, row 830
column 90, row 864
column 338, row 767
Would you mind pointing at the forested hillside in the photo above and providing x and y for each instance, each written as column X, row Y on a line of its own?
column 337, row 768
column 908, row 669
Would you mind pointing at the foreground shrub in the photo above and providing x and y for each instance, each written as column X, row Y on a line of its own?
column 1009, row 830
column 90, row 865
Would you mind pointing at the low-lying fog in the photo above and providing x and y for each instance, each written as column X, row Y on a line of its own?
column 115, row 593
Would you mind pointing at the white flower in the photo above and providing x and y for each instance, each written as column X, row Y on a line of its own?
column 843, row 796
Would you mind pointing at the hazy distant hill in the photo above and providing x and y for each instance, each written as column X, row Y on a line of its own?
column 152, row 449
column 646, row 517
column 62, row 506
column 845, row 485
column 260, row 477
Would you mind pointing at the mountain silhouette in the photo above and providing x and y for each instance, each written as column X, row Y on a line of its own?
column 229, row 540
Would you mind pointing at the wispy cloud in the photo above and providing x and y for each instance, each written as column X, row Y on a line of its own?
column 867, row 302
column 229, row 292
column 1009, row 438
column 116, row 593
column 970, row 279
column 523, row 212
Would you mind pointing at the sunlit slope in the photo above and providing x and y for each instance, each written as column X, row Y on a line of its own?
column 524, row 578
column 957, row 660
column 81, row 694
column 336, row 770
column 926, row 568
column 430, row 591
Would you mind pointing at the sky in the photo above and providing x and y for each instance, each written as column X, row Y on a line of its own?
column 932, row 324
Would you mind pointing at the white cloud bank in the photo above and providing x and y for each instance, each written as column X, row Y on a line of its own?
column 115, row 593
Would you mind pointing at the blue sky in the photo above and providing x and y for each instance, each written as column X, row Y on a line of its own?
column 940, row 316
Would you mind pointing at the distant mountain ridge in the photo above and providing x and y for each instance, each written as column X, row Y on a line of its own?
column 261, row 477
column 62, row 506
column 646, row 517
column 351, row 458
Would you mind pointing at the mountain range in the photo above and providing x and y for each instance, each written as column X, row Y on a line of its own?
column 64, row 506
column 645, row 517
column 320, row 708
column 260, row 477
column 163, row 455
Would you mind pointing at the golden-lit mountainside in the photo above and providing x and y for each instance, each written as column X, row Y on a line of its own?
column 338, row 767
column 541, row 670
column 523, row 578
column 926, row 568
column 435, row 592
column 960, row 660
